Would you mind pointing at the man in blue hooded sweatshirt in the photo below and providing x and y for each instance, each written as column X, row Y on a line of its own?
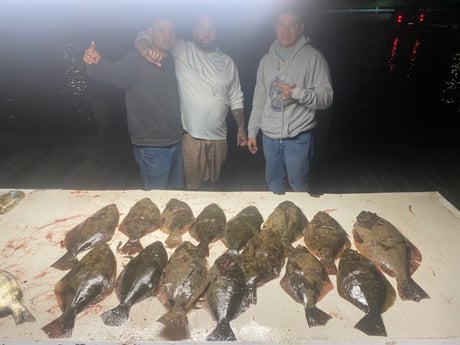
column 293, row 81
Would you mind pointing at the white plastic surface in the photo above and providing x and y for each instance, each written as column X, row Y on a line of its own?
column 31, row 235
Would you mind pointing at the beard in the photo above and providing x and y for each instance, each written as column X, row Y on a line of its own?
column 206, row 45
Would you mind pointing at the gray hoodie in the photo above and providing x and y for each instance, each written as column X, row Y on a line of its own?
column 305, row 67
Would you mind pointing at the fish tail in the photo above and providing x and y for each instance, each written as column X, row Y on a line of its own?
column 61, row 327
column 409, row 290
column 22, row 314
column 173, row 240
column 66, row 262
column 131, row 247
column 116, row 316
column 372, row 324
column 175, row 318
column 316, row 317
column 204, row 247
column 222, row 332
column 330, row 267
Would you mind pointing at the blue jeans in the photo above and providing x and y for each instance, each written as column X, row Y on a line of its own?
column 161, row 167
column 288, row 160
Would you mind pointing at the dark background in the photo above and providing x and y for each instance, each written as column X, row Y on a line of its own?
column 396, row 86
column 44, row 84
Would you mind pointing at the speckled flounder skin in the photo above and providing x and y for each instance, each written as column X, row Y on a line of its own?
column 97, row 228
column 261, row 260
column 87, row 283
column 10, row 200
column 184, row 280
column 226, row 295
column 288, row 220
column 11, row 299
column 137, row 281
column 176, row 219
column 142, row 219
column 242, row 227
column 391, row 252
column 363, row 285
column 326, row 239
column 306, row 282
column 208, row 227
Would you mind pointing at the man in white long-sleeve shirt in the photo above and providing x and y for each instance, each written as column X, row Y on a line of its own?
column 209, row 86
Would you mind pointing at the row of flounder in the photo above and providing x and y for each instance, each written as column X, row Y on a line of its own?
column 257, row 251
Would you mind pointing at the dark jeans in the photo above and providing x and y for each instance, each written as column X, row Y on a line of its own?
column 161, row 167
column 288, row 159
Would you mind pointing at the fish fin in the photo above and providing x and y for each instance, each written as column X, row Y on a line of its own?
column 415, row 257
column 316, row 317
column 251, row 293
column 66, row 262
column 22, row 314
column 222, row 332
column 175, row 318
column 173, row 240
column 409, row 290
column 61, row 327
column 116, row 316
column 372, row 324
column 131, row 247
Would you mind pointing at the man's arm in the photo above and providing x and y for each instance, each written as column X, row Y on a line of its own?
column 144, row 46
column 105, row 71
column 236, row 99
column 320, row 96
column 254, row 127
column 241, row 135
column 258, row 104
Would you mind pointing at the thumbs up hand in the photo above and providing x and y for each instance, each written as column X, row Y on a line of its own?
column 91, row 55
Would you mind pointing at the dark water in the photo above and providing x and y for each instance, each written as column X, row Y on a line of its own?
column 390, row 84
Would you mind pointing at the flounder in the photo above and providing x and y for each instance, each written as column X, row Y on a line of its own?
column 390, row 251
column 226, row 296
column 326, row 239
column 184, row 280
column 142, row 219
column 86, row 284
column 242, row 227
column 288, row 220
column 261, row 260
column 363, row 285
column 95, row 229
column 306, row 282
column 175, row 221
column 137, row 281
column 208, row 226
column 10, row 199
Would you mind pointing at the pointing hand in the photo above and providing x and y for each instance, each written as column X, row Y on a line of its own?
column 153, row 56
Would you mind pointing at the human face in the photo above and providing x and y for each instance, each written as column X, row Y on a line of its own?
column 163, row 34
column 288, row 29
column 204, row 34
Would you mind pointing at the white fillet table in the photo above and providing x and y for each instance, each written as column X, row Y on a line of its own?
column 31, row 235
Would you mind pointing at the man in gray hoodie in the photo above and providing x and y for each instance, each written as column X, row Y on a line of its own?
column 293, row 81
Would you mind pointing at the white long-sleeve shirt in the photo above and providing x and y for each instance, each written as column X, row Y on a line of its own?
column 209, row 86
